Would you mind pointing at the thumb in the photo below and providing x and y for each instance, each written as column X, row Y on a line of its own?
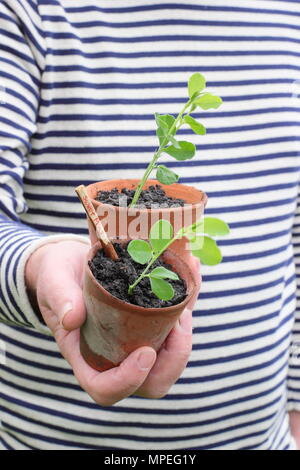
column 59, row 293
column 70, row 308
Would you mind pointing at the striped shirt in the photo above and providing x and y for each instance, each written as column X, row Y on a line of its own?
column 79, row 84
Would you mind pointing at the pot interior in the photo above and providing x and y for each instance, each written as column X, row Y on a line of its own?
column 189, row 194
column 169, row 256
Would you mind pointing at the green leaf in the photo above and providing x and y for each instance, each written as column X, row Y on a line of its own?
column 209, row 253
column 174, row 142
column 161, row 122
column 186, row 151
column 215, row 227
column 162, row 289
column 169, row 120
column 196, row 84
column 166, row 176
column 196, row 242
column 164, row 123
column 163, row 273
column 195, row 126
column 209, row 101
column 160, row 135
column 161, row 234
column 140, row 251
column 197, row 227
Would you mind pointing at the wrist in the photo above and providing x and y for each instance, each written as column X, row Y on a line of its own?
column 33, row 266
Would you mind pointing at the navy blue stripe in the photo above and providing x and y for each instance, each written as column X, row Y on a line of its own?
column 143, row 101
column 172, row 38
column 235, row 357
column 19, row 67
column 129, row 424
column 258, row 238
column 14, row 136
column 233, row 440
column 7, row 212
column 34, row 349
column 128, row 409
column 120, row 133
column 17, row 53
column 169, row 397
column 146, row 85
column 202, row 379
column 170, row 53
column 169, row 22
column 221, row 177
column 19, row 248
column 27, row 31
column 5, row 444
column 20, row 441
column 168, row 69
column 14, row 125
column 248, row 272
column 185, row 437
column 146, row 117
column 243, row 339
column 242, row 290
column 179, row 396
column 8, row 34
column 177, row 6
column 201, row 162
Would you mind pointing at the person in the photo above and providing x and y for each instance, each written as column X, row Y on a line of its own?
column 79, row 84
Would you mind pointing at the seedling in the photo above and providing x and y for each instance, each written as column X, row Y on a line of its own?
column 167, row 128
column 161, row 237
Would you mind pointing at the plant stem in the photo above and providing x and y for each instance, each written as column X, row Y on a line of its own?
column 156, row 255
column 157, row 155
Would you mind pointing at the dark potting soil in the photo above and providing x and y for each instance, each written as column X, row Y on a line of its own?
column 116, row 276
column 150, row 198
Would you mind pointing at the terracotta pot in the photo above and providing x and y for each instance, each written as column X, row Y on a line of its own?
column 125, row 223
column 114, row 328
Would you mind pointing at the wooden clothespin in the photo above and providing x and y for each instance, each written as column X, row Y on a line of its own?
column 100, row 232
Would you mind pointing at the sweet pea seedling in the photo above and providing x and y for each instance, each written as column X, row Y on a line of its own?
column 167, row 128
column 161, row 237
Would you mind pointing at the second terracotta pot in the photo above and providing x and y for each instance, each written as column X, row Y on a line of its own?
column 114, row 328
column 124, row 223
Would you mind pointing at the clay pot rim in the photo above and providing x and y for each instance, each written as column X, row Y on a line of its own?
column 121, row 304
column 158, row 210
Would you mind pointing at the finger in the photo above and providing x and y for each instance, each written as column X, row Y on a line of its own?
column 171, row 359
column 194, row 264
column 59, row 292
column 294, row 417
column 111, row 386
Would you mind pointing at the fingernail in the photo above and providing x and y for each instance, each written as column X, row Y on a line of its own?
column 66, row 309
column 145, row 360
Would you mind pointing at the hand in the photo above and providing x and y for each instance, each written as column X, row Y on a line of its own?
column 295, row 426
column 54, row 275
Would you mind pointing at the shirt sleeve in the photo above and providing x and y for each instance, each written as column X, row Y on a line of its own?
column 22, row 61
column 294, row 357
